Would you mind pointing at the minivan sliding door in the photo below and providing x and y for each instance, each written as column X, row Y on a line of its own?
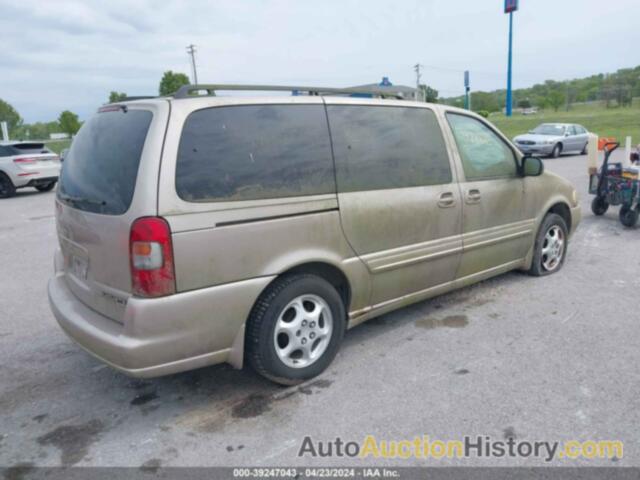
column 400, row 207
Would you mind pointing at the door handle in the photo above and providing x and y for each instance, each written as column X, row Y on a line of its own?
column 446, row 200
column 473, row 196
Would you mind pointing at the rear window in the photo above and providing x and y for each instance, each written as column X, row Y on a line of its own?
column 22, row 149
column 99, row 172
column 7, row 151
column 254, row 152
column 31, row 148
column 379, row 148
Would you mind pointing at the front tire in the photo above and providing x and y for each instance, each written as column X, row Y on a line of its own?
column 599, row 206
column 557, row 150
column 628, row 216
column 295, row 329
column 550, row 247
column 7, row 189
column 46, row 187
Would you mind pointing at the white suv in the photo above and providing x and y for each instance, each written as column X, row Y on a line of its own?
column 27, row 164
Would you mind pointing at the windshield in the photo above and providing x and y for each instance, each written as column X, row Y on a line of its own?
column 547, row 129
column 99, row 172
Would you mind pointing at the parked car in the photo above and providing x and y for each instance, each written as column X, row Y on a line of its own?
column 554, row 139
column 27, row 164
column 261, row 228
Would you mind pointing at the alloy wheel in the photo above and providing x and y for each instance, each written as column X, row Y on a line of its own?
column 553, row 248
column 303, row 331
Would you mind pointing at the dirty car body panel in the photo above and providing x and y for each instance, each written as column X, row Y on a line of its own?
column 252, row 189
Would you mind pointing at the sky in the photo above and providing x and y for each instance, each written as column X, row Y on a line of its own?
column 69, row 54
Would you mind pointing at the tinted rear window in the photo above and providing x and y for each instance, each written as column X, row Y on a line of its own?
column 7, row 151
column 254, row 152
column 31, row 147
column 378, row 148
column 99, row 172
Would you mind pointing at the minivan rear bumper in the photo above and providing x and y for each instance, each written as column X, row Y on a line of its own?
column 164, row 335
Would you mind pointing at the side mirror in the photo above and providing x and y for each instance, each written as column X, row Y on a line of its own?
column 532, row 166
column 567, row 134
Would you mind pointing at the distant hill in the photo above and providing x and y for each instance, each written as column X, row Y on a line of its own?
column 614, row 89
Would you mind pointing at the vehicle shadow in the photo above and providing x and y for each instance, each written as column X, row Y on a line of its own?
column 29, row 192
column 564, row 156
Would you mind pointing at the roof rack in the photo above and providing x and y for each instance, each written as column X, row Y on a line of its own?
column 187, row 91
column 139, row 97
column 130, row 99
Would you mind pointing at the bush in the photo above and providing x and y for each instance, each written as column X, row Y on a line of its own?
column 483, row 113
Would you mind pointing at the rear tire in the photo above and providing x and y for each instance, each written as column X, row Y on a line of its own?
column 628, row 216
column 550, row 247
column 585, row 150
column 295, row 329
column 7, row 189
column 557, row 150
column 46, row 187
column 599, row 206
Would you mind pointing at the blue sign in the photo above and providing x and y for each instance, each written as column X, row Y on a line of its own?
column 510, row 6
column 466, row 79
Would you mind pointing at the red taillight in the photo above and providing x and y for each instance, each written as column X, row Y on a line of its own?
column 25, row 160
column 151, row 257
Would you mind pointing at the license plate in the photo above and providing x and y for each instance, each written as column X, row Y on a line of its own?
column 79, row 267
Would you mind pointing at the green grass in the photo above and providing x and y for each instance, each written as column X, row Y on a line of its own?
column 58, row 145
column 605, row 122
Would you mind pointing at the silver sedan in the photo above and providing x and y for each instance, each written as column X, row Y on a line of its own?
column 554, row 139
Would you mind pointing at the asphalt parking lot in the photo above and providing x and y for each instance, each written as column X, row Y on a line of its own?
column 552, row 358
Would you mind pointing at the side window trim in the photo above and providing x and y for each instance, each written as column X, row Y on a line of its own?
column 462, row 176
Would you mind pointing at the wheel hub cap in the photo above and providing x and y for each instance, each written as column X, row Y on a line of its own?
column 303, row 331
column 553, row 248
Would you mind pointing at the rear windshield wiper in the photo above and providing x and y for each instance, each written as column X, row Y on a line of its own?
column 77, row 199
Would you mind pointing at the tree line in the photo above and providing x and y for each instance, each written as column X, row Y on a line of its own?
column 69, row 122
column 614, row 90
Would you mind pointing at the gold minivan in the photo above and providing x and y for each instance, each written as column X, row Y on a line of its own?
column 198, row 229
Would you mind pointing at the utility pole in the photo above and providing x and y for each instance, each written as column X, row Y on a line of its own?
column 416, row 68
column 191, row 50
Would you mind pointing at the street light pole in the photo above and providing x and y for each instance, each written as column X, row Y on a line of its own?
column 509, row 110
column 467, row 90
